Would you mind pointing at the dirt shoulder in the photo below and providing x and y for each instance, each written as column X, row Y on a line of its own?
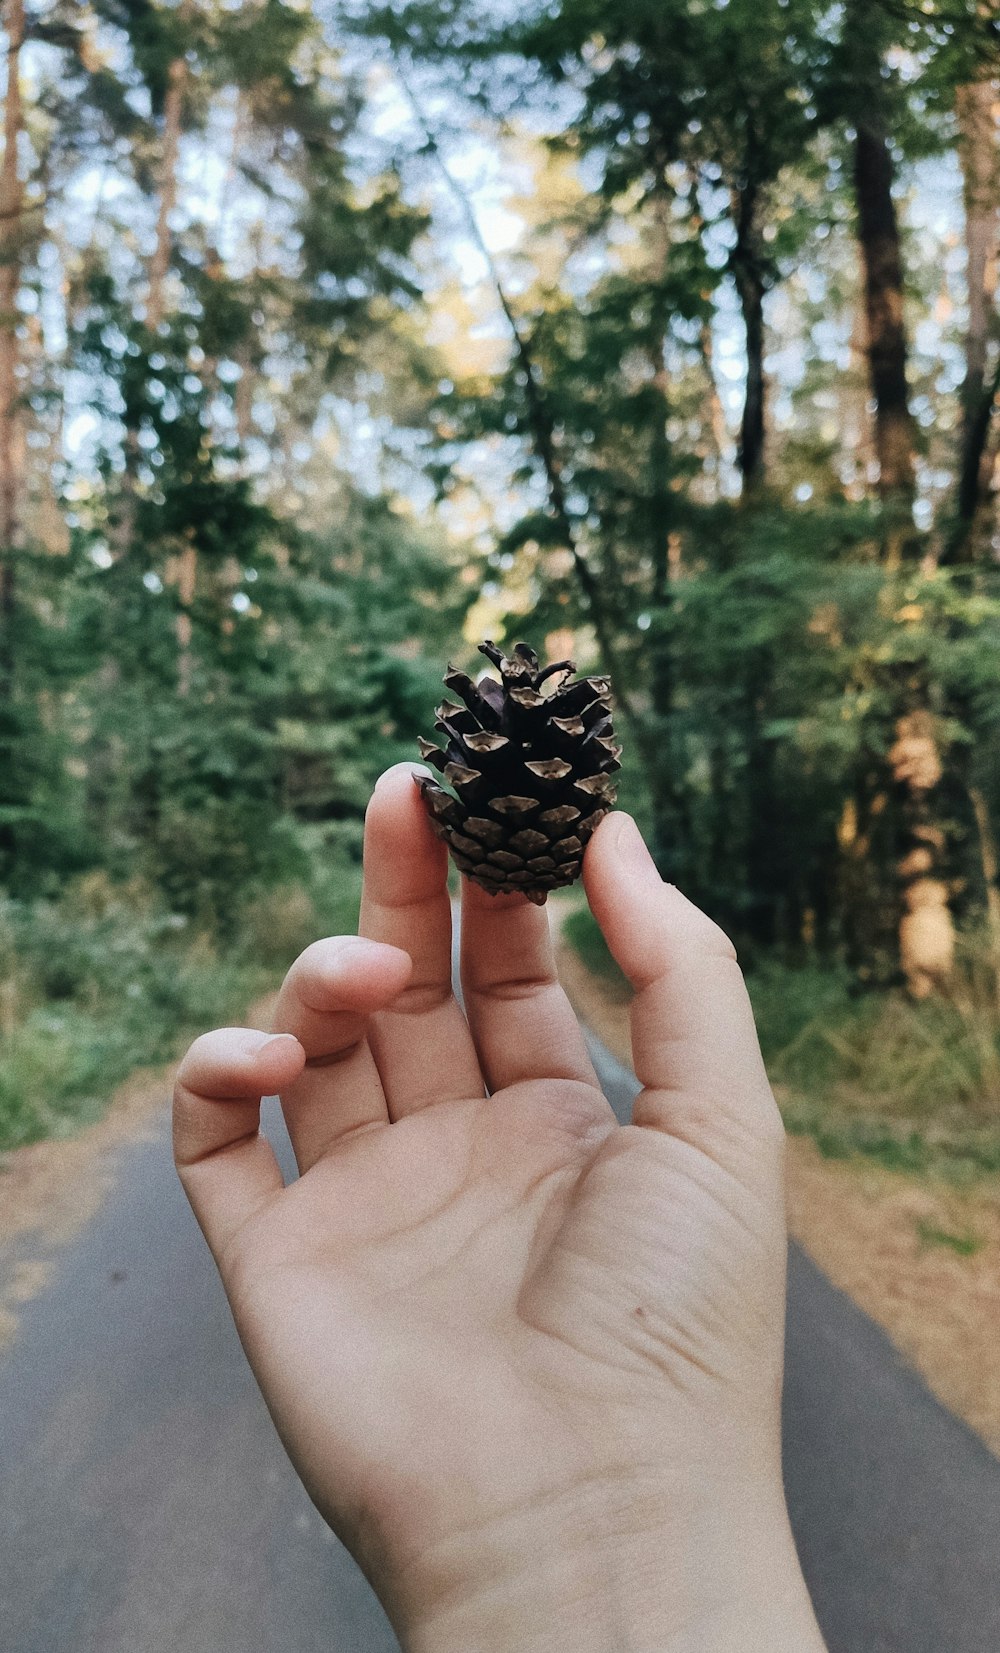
column 50, row 1190
column 920, row 1256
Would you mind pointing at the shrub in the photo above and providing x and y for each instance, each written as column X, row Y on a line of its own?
column 938, row 1058
column 871, row 1073
column 106, row 980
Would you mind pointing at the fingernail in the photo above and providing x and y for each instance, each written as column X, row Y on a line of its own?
column 362, row 950
column 632, row 851
column 254, row 1043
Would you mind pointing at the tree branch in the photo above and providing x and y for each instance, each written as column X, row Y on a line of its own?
column 542, row 427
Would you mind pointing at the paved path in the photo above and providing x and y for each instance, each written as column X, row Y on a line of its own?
column 146, row 1506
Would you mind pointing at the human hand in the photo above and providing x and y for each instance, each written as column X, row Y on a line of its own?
column 526, row 1361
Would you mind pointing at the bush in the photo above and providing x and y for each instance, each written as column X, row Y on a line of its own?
column 105, row 980
column 938, row 1058
column 277, row 923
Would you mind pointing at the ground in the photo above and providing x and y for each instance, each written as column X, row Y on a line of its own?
column 919, row 1255
column 52, row 1188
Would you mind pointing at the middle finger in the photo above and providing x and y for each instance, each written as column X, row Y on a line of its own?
column 422, row 1044
column 523, row 1023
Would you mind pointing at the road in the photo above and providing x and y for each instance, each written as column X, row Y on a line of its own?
column 147, row 1507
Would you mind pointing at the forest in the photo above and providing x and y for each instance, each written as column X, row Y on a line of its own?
column 337, row 337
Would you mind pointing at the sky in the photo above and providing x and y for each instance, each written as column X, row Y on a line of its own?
column 493, row 174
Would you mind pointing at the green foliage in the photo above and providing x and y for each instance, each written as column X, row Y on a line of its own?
column 845, row 1053
column 228, row 618
column 107, row 979
column 914, row 1087
column 39, row 806
column 936, row 1059
column 959, row 1156
column 92, row 987
column 770, row 647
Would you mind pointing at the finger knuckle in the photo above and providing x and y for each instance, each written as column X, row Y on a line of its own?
column 419, row 997
column 700, row 930
column 515, row 988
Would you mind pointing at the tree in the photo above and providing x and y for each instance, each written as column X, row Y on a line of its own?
column 164, row 658
column 859, row 82
column 12, row 230
column 976, row 103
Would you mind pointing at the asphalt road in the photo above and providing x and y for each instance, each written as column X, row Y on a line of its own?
column 146, row 1506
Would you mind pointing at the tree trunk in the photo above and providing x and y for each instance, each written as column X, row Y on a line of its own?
column 187, row 584
column 156, row 273
column 979, row 150
column 186, row 563
column 249, row 364
column 882, row 267
column 716, row 419
column 669, row 836
column 11, row 452
column 913, row 851
column 748, row 269
column 159, row 264
column 767, row 858
column 867, row 889
column 990, row 863
column 926, row 930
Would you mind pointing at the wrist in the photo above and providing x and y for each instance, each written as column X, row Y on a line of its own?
column 610, row 1571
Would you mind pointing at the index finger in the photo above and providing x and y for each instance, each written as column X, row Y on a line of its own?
column 227, row 1167
column 694, row 1042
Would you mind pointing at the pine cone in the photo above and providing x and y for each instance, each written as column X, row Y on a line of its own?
column 532, row 772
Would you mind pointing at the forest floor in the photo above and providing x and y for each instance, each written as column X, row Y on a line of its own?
column 917, row 1253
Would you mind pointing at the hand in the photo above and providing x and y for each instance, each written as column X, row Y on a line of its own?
column 527, row 1361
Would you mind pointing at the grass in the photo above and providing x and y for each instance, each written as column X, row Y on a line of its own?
column 104, row 981
column 896, row 1144
column 964, row 1245
column 938, row 1059
column 911, row 1086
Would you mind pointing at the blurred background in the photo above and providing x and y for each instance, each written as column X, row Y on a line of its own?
column 663, row 334
column 336, row 338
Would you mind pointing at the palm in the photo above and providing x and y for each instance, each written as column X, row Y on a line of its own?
column 474, row 1241
column 498, row 1250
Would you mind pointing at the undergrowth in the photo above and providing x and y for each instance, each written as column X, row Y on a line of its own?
column 910, row 1085
column 105, row 980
